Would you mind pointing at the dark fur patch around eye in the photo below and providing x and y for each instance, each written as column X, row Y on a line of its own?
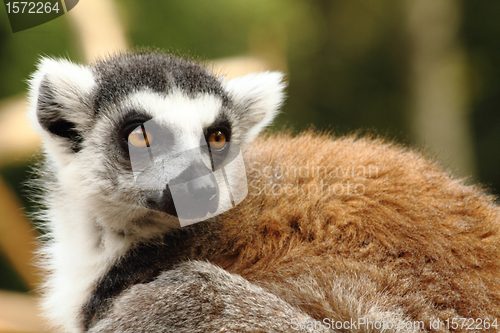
column 221, row 122
column 130, row 120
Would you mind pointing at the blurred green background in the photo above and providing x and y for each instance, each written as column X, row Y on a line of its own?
column 425, row 73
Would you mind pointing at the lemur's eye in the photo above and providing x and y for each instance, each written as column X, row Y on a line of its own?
column 140, row 138
column 217, row 140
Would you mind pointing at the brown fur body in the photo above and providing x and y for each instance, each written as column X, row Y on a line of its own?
column 415, row 244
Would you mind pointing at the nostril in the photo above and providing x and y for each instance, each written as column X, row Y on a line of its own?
column 150, row 202
column 161, row 201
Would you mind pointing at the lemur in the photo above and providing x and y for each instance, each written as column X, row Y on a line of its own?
column 334, row 234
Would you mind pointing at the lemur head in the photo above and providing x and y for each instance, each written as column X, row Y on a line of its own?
column 100, row 125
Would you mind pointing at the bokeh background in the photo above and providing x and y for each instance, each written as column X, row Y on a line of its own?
column 424, row 73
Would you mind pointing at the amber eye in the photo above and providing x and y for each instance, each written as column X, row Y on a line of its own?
column 140, row 138
column 217, row 140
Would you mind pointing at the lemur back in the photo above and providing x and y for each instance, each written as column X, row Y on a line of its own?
column 331, row 231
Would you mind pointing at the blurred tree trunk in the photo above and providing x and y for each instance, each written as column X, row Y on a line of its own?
column 98, row 28
column 17, row 238
column 439, row 98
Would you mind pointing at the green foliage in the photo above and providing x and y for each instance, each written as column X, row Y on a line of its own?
column 210, row 29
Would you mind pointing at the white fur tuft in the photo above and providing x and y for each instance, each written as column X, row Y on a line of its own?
column 69, row 81
column 261, row 95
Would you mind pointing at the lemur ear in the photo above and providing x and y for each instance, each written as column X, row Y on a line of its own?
column 258, row 97
column 60, row 100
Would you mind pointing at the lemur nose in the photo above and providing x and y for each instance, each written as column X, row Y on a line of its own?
column 191, row 195
column 201, row 193
column 203, row 189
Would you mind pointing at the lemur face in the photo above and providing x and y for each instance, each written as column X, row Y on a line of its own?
column 129, row 134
